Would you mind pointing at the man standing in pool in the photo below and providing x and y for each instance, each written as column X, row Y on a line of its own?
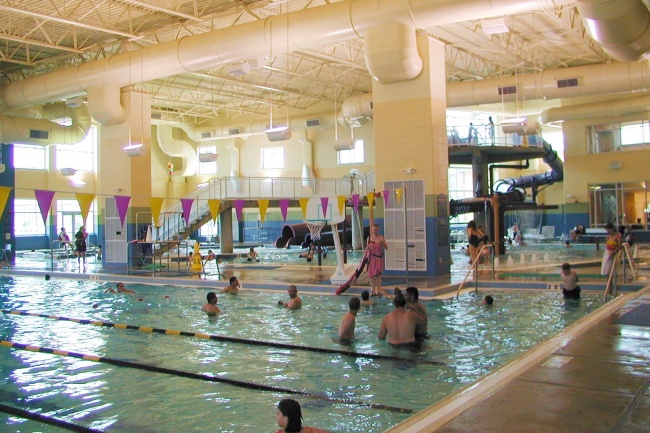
column 413, row 304
column 399, row 325
column 570, row 288
column 295, row 303
column 233, row 287
column 346, row 327
column 211, row 308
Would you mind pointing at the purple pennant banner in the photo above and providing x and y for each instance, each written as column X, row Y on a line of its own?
column 187, row 208
column 355, row 202
column 239, row 206
column 122, row 203
column 324, row 201
column 284, row 207
column 44, row 200
column 386, row 195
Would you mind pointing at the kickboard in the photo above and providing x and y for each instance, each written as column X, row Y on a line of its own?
column 345, row 286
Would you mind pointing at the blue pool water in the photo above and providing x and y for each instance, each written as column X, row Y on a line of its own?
column 469, row 338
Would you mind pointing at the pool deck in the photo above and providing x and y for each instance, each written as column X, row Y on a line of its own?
column 593, row 377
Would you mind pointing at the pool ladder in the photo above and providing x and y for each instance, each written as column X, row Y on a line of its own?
column 474, row 267
column 628, row 259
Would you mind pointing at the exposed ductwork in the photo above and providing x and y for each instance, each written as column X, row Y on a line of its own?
column 552, row 84
column 177, row 148
column 391, row 53
column 313, row 27
column 105, row 106
column 621, row 27
column 572, row 82
column 615, row 108
column 43, row 130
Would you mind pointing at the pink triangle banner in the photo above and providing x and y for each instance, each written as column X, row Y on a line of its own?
column 44, row 200
column 284, row 207
column 239, row 207
column 355, row 202
column 386, row 194
column 187, row 208
column 324, row 201
column 122, row 203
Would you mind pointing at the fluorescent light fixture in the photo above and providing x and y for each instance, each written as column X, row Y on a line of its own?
column 239, row 69
column 496, row 26
column 77, row 183
column 344, row 144
column 68, row 171
column 520, row 125
column 208, row 157
column 135, row 149
column 278, row 133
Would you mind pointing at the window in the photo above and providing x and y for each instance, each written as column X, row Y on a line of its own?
column 351, row 156
column 69, row 216
column 208, row 167
column 209, row 230
column 272, row 158
column 30, row 156
column 27, row 218
column 80, row 156
column 615, row 137
column 460, row 186
column 635, row 133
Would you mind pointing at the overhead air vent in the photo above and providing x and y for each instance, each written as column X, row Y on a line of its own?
column 344, row 144
column 208, row 157
column 313, row 122
column 156, row 116
column 569, row 82
column 41, row 135
column 507, row 90
column 206, row 134
column 234, row 131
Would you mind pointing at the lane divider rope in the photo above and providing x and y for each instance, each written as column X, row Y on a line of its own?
column 227, row 339
column 22, row 413
column 198, row 376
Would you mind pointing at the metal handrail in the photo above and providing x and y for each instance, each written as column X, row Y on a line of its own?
column 611, row 280
column 58, row 242
column 474, row 267
column 252, row 188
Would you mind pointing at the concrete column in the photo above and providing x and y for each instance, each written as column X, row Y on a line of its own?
column 132, row 175
column 409, row 120
column 225, row 237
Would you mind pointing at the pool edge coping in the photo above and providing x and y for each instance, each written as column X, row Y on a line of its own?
column 435, row 416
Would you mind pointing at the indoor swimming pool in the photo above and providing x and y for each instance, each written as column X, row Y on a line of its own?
column 161, row 382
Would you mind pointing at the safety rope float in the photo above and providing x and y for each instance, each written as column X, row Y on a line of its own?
column 47, row 419
column 228, row 339
column 199, row 376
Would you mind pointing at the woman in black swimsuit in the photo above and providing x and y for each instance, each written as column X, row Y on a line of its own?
column 474, row 238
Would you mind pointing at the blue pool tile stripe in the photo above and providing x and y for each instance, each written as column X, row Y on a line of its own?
column 14, row 411
column 199, row 376
column 228, row 339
